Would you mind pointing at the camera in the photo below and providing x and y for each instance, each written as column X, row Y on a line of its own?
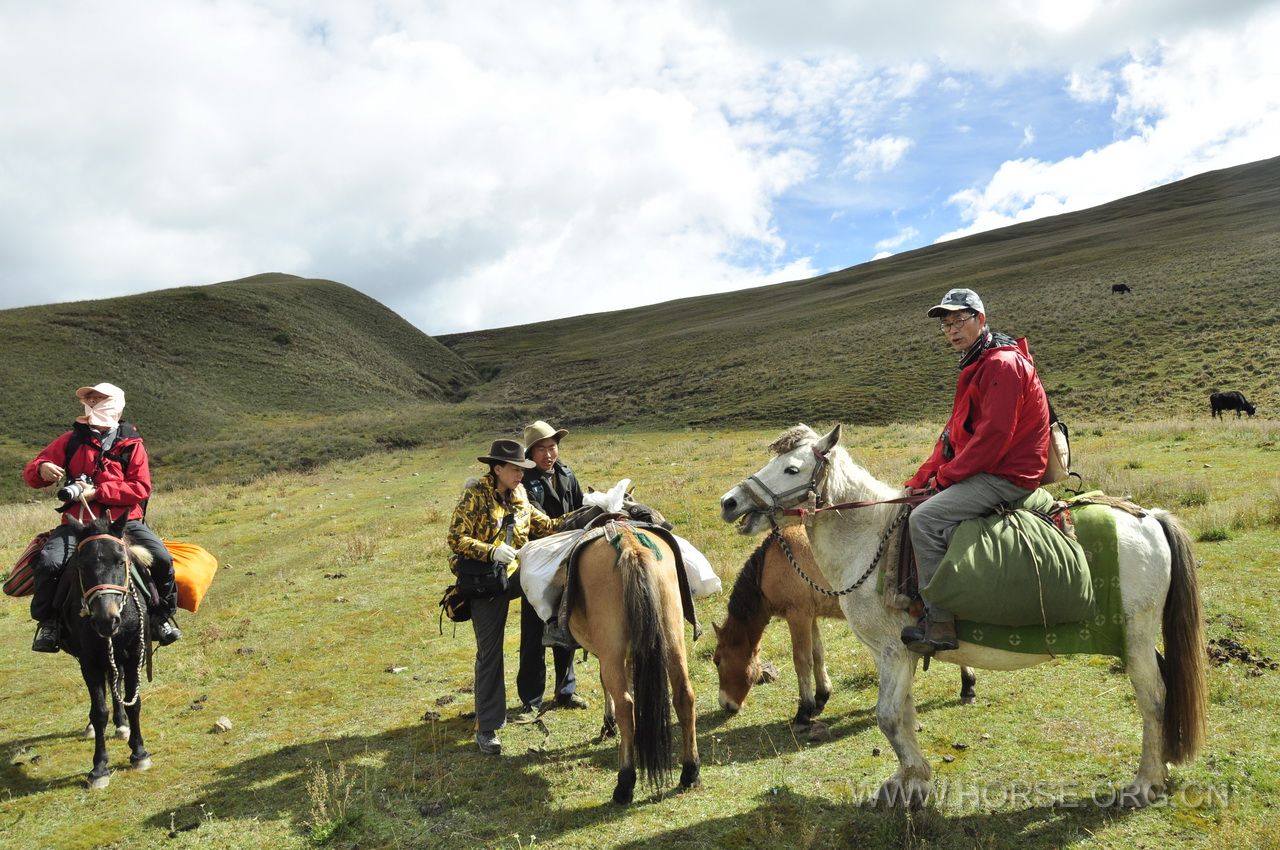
column 71, row 491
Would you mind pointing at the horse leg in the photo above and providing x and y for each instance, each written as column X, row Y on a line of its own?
column 609, row 727
column 118, row 715
column 682, row 698
column 802, row 657
column 95, row 681
column 912, row 783
column 139, row 758
column 1148, row 688
column 821, row 677
column 967, row 680
column 614, row 679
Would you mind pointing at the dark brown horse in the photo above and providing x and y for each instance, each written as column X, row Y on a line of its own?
column 767, row 586
column 104, row 627
column 628, row 614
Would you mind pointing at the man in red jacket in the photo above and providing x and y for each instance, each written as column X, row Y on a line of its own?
column 117, row 480
column 993, row 450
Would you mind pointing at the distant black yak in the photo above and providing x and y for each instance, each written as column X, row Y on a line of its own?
column 1120, row 288
column 1233, row 400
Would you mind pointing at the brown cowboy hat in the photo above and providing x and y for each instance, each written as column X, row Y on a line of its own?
column 507, row 451
column 540, row 431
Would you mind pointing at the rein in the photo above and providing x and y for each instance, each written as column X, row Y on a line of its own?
column 758, row 490
column 128, row 590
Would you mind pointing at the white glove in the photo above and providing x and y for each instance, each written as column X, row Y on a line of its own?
column 504, row 554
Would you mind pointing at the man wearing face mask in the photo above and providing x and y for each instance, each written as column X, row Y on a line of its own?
column 111, row 456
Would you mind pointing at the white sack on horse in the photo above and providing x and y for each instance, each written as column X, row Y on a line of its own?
column 542, row 579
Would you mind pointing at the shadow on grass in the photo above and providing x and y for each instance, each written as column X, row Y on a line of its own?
column 415, row 780
column 783, row 818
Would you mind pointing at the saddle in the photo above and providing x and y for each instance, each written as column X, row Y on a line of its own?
column 611, row 531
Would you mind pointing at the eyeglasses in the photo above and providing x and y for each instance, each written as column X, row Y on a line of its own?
column 955, row 323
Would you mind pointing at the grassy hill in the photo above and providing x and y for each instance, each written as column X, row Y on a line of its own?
column 1202, row 257
column 225, row 369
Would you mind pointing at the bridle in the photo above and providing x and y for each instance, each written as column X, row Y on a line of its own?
column 128, row 590
column 770, row 502
column 88, row 596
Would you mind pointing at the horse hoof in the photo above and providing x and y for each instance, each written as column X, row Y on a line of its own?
column 970, row 700
column 98, row 781
column 122, row 733
column 689, row 774
column 625, row 789
column 143, row 763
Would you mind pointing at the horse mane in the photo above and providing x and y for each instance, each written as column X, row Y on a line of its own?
column 794, row 436
column 140, row 556
column 746, row 596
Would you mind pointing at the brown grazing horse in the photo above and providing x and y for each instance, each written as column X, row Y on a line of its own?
column 767, row 586
column 627, row 613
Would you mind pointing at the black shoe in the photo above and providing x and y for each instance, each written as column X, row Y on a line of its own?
column 553, row 635
column 165, row 632
column 571, row 701
column 929, row 636
column 46, row 637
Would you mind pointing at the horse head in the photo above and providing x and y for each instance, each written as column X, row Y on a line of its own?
column 737, row 660
column 102, row 564
column 800, row 456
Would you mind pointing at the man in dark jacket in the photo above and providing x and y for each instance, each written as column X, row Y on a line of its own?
column 993, row 450
column 552, row 487
column 117, row 480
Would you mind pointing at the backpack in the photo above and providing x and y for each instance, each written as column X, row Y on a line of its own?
column 1059, row 466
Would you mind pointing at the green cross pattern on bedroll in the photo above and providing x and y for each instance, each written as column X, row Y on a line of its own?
column 1104, row 634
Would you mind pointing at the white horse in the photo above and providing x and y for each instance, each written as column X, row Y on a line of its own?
column 1157, row 582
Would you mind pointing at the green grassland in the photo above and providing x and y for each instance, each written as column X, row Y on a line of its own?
column 330, row 579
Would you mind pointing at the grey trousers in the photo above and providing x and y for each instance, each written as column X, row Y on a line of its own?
column 933, row 522
column 489, row 622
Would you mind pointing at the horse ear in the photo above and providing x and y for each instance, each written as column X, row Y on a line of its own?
column 828, row 442
column 118, row 524
column 75, row 524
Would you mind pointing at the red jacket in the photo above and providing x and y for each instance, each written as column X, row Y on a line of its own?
column 999, row 423
column 121, row 487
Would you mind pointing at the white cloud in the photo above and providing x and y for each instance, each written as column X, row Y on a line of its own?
column 1204, row 101
column 907, row 234
column 867, row 156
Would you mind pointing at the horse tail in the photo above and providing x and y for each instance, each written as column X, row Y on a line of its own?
column 650, row 688
column 1184, row 648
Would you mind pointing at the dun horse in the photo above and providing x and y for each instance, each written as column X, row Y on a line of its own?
column 1157, row 583
column 628, row 614
column 104, row 626
column 767, row 586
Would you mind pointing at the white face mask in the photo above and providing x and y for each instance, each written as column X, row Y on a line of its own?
column 104, row 414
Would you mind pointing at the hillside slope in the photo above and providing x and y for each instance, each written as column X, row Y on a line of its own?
column 1202, row 257
column 198, row 360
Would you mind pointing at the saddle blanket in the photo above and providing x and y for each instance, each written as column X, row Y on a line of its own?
column 542, row 578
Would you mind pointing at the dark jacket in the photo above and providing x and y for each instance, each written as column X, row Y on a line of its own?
column 542, row 496
column 122, row 474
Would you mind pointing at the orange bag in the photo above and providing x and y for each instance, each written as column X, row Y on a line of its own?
column 193, row 569
column 22, row 578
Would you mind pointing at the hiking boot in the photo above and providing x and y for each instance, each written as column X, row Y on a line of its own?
column 571, row 701
column 488, row 743
column 929, row 635
column 526, row 714
column 553, row 635
column 165, row 632
column 46, row 639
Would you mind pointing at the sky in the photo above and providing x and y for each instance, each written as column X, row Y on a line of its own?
column 483, row 163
